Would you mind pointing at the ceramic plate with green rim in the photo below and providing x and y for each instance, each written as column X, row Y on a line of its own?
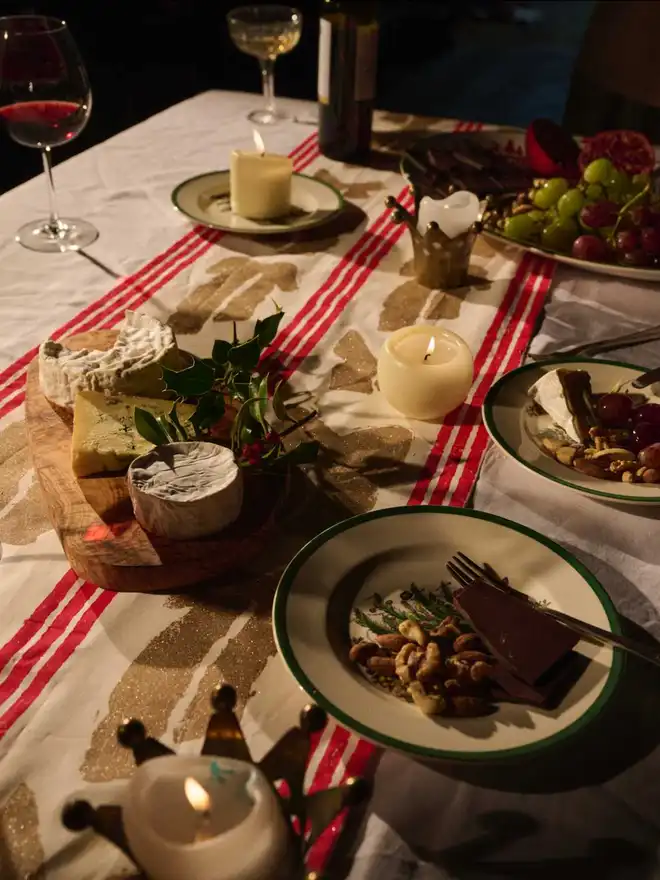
column 513, row 425
column 205, row 199
column 384, row 552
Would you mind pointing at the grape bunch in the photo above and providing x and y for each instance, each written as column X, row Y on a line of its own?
column 607, row 216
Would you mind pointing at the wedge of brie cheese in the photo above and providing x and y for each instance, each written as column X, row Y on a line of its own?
column 186, row 490
column 568, row 411
column 131, row 366
column 104, row 433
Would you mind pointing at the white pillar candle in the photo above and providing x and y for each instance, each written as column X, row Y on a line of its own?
column 454, row 215
column 425, row 372
column 204, row 818
column 260, row 183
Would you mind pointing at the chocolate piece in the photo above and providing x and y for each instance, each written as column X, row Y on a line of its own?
column 576, row 385
column 524, row 640
column 549, row 690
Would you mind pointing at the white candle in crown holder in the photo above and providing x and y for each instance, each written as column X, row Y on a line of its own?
column 454, row 215
column 425, row 372
column 204, row 818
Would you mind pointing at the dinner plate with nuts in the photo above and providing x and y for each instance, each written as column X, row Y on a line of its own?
column 370, row 625
column 581, row 424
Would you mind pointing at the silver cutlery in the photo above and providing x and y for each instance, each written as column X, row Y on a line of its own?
column 468, row 572
column 637, row 337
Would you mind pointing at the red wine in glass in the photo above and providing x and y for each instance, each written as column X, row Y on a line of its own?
column 45, row 101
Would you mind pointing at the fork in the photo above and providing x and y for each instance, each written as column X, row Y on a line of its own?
column 587, row 349
column 467, row 572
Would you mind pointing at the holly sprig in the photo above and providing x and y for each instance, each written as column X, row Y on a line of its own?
column 231, row 378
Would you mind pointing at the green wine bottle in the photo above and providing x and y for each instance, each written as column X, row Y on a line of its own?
column 348, row 50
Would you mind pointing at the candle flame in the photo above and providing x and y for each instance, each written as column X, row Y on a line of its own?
column 198, row 796
column 430, row 348
column 258, row 141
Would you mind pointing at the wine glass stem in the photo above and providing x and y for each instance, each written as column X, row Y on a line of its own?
column 268, row 78
column 54, row 220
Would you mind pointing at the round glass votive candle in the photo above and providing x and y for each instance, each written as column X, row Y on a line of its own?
column 237, row 832
column 425, row 372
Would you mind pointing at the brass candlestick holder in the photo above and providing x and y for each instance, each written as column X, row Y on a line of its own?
column 307, row 815
column 440, row 262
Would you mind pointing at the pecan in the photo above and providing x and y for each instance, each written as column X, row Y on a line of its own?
column 411, row 630
column 469, row 707
column 457, row 668
column 478, row 672
column 431, row 664
column 521, row 209
column 361, row 652
column 453, row 686
column 472, row 657
column 430, row 704
column 467, row 642
column 628, row 477
column 382, row 666
column 391, row 642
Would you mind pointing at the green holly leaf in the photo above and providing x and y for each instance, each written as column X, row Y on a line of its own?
column 193, row 381
column 209, row 411
column 277, row 402
column 245, row 355
column 304, row 453
column 220, row 352
column 169, row 429
column 174, row 419
column 266, row 330
column 148, row 426
column 259, row 402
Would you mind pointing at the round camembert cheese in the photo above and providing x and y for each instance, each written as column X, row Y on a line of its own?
column 131, row 366
column 186, row 490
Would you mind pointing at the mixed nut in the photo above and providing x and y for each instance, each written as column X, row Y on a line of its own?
column 443, row 670
column 623, row 446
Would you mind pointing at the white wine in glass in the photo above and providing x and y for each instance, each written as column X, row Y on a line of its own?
column 265, row 32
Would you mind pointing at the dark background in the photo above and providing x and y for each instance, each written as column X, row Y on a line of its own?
column 460, row 58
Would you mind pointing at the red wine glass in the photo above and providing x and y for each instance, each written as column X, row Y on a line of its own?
column 45, row 101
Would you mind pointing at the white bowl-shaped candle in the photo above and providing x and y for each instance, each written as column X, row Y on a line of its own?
column 425, row 372
column 203, row 818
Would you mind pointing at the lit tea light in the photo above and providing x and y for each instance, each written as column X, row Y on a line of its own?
column 200, row 800
column 260, row 182
column 454, row 215
column 202, row 819
column 425, row 372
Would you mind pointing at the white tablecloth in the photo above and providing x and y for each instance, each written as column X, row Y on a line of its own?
column 74, row 659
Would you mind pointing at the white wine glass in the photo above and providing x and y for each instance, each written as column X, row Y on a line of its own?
column 265, row 32
column 45, row 101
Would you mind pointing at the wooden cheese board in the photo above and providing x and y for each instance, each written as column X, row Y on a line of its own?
column 94, row 520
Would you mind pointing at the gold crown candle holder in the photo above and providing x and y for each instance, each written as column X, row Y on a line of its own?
column 275, row 846
column 440, row 261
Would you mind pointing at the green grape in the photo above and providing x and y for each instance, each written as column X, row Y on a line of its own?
column 537, row 216
column 594, row 192
column 520, row 227
column 570, row 203
column 598, row 171
column 617, row 185
column 559, row 236
column 550, row 193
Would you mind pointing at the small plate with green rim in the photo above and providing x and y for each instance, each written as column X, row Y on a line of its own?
column 384, row 552
column 512, row 424
column 205, row 199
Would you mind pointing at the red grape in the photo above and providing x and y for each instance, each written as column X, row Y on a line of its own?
column 650, row 236
column 650, row 456
column 614, row 409
column 648, row 412
column 641, row 215
column 645, row 434
column 636, row 258
column 590, row 247
column 628, row 240
column 598, row 214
